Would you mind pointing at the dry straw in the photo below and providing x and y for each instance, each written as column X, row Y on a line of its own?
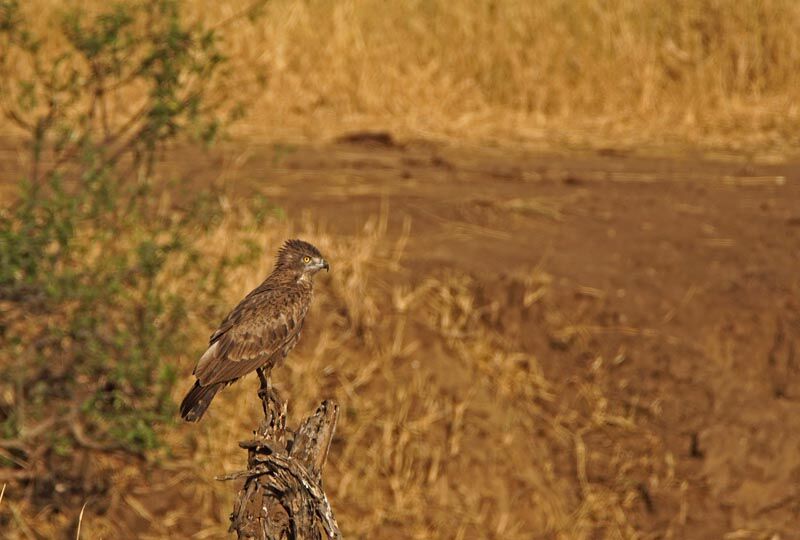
column 705, row 70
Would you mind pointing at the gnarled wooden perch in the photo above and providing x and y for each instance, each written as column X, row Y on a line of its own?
column 282, row 497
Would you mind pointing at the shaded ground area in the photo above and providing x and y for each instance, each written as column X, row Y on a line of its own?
column 674, row 281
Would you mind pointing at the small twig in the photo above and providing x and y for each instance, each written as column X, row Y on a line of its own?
column 13, row 444
column 5, row 454
column 19, row 474
column 79, row 433
column 250, row 8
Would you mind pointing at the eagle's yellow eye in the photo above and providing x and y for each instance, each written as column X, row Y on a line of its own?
column 306, row 259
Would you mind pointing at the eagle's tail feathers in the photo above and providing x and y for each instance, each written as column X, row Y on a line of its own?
column 198, row 399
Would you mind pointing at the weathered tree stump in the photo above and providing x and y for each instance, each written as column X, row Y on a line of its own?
column 282, row 497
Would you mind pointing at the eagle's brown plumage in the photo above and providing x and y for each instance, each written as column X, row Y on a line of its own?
column 260, row 330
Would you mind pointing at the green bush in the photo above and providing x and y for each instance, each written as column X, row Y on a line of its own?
column 86, row 246
column 92, row 327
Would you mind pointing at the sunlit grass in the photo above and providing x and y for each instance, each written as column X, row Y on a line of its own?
column 514, row 70
column 429, row 381
column 702, row 70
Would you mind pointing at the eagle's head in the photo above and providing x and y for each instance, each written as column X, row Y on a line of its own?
column 301, row 257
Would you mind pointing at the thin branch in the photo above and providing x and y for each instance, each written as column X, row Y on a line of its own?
column 21, row 474
column 250, row 8
column 16, row 118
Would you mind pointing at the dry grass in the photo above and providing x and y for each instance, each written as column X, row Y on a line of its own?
column 450, row 428
column 713, row 70
column 520, row 69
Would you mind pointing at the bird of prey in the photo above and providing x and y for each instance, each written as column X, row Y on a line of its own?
column 261, row 329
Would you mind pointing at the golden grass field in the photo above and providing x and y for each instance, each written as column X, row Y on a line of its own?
column 719, row 72
column 709, row 69
column 522, row 344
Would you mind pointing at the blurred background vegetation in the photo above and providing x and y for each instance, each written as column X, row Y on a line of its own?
column 702, row 70
column 708, row 70
column 109, row 274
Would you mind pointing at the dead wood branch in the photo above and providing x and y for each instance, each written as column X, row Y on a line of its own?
column 282, row 496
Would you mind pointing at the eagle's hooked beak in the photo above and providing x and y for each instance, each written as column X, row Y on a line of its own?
column 319, row 263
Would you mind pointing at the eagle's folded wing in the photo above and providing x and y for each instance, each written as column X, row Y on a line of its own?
column 249, row 341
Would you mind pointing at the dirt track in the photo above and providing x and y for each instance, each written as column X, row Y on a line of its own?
column 683, row 275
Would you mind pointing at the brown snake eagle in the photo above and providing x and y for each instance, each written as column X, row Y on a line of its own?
column 261, row 329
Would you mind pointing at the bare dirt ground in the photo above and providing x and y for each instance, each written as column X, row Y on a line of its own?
column 682, row 275
column 674, row 283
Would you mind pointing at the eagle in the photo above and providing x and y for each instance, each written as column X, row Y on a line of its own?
column 261, row 329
